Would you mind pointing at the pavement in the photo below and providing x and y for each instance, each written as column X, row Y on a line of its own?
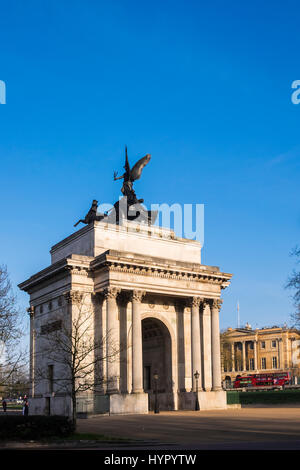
column 268, row 428
column 248, row 428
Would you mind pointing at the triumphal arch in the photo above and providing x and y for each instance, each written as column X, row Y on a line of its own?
column 153, row 301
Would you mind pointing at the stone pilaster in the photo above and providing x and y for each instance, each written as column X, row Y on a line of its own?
column 215, row 342
column 112, row 340
column 137, row 346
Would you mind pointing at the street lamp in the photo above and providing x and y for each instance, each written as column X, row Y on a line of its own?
column 197, row 375
column 156, row 407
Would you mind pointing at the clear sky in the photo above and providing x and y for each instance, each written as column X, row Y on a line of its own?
column 205, row 87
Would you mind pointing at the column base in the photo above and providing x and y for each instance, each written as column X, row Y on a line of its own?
column 213, row 400
column 208, row 400
column 125, row 403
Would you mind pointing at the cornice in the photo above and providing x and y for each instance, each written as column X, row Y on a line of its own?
column 130, row 263
column 166, row 272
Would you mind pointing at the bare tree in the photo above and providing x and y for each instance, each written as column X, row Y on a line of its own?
column 9, row 313
column 294, row 283
column 70, row 344
column 12, row 359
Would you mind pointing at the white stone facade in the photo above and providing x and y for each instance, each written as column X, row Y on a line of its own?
column 150, row 291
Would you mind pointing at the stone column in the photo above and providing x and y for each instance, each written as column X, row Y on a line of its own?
column 99, row 334
column 112, row 340
column 196, row 342
column 232, row 358
column 137, row 345
column 280, row 359
column 206, row 325
column 215, row 342
column 30, row 310
column 255, row 355
column 244, row 355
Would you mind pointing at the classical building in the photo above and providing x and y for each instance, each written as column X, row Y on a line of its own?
column 244, row 351
column 149, row 291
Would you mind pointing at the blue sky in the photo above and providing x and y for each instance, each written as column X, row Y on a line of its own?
column 205, row 87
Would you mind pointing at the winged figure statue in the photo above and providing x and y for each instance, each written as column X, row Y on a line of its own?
column 130, row 175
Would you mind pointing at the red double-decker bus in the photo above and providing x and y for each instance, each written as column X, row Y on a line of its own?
column 258, row 380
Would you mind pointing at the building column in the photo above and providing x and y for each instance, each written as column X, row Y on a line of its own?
column 137, row 343
column 280, row 355
column 206, row 326
column 112, row 340
column 215, row 343
column 196, row 342
column 100, row 368
column 232, row 358
column 244, row 355
column 255, row 354
column 30, row 310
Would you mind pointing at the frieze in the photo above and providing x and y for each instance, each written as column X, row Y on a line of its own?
column 164, row 273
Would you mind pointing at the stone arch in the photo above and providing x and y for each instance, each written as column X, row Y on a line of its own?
column 168, row 394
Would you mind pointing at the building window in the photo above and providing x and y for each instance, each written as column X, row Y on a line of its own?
column 262, row 345
column 274, row 362
column 263, row 363
column 251, row 363
column 274, row 342
column 251, row 345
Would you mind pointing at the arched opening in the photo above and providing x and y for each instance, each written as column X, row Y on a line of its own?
column 157, row 359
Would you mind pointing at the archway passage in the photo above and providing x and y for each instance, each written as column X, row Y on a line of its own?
column 157, row 359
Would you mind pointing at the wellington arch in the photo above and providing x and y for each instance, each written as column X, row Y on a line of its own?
column 152, row 299
column 161, row 304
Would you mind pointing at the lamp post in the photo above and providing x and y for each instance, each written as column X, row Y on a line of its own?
column 197, row 375
column 156, row 407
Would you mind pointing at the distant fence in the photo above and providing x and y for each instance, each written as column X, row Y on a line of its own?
column 272, row 397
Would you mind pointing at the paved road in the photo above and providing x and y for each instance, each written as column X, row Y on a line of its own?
column 245, row 428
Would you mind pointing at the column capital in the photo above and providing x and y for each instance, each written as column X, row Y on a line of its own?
column 111, row 292
column 195, row 301
column 73, row 296
column 216, row 303
column 137, row 295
